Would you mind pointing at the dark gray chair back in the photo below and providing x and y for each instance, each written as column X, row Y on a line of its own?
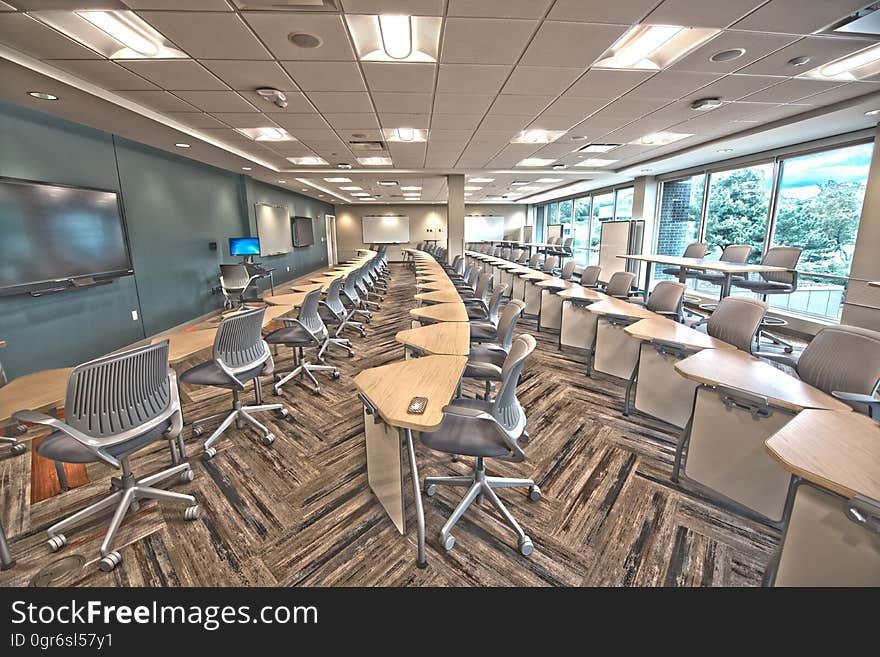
column 590, row 275
column 736, row 320
column 239, row 341
column 506, row 409
column 495, row 302
column 696, row 250
column 842, row 358
column 620, row 283
column 736, row 253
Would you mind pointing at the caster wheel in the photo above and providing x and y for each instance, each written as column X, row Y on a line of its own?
column 110, row 562
column 448, row 542
column 788, row 350
column 16, row 430
column 276, row 391
column 18, row 449
column 198, row 431
column 526, row 547
column 430, row 490
column 335, row 374
column 187, row 476
column 56, row 542
column 210, row 453
column 283, row 412
column 363, row 334
column 193, row 512
column 268, row 439
column 316, row 391
column 276, row 378
column 322, row 360
column 534, row 493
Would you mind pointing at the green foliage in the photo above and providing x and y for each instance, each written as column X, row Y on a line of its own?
column 738, row 204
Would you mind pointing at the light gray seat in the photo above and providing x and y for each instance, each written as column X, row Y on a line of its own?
column 351, row 298
column 734, row 253
column 484, row 284
column 239, row 355
column 693, row 250
column 485, row 359
column 736, row 321
column 114, row 407
column 234, row 282
column 590, row 276
column 665, row 299
column 334, row 316
column 620, row 284
column 488, row 312
column 486, row 430
column 484, row 332
column 307, row 330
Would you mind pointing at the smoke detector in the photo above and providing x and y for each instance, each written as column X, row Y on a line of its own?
column 278, row 98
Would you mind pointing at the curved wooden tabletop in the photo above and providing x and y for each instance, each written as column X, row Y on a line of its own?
column 621, row 308
column 445, row 295
column 443, row 338
column 39, row 391
column 442, row 312
column 581, row 293
column 555, row 283
column 667, row 330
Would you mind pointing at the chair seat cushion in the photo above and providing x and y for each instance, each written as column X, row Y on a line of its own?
column 763, row 286
column 294, row 336
column 58, row 446
column 486, row 353
column 210, row 374
column 476, row 312
column 483, row 331
column 482, row 371
column 466, row 436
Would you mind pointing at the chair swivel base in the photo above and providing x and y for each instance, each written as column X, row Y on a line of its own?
column 775, row 339
column 128, row 493
column 16, row 447
column 479, row 485
column 343, row 343
column 303, row 369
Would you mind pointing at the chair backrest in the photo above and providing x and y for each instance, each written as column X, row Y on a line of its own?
column 666, row 297
column 842, row 358
column 553, row 240
column 590, row 275
column 620, row 283
column 534, row 260
column 516, row 255
column 121, row 393
column 495, row 302
column 234, row 277
column 3, row 379
column 332, row 298
column 568, row 269
column 736, row 320
column 782, row 256
column 505, row 253
column 349, row 288
column 483, row 285
column 239, row 340
column 506, row 409
column 467, row 271
column 550, row 263
column 472, row 278
column 737, row 253
column 512, row 312
column 308, row 314
column 566, row 244
column 695, row 250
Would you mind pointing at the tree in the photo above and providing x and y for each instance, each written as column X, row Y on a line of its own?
column 738, row 205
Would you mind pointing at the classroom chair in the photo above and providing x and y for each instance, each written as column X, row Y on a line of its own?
column 590, row 276
column 335, row 316
column 488, row 312
column 234, row 283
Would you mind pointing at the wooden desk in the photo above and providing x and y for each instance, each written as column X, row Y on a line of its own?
column 294, row 299
column 441, row 312
column 185, row 344
column 668, row 331
column 621, row 308
column 439, row 296
column 40, row 391
column 582, row 294
column 308, row 287
column 443, row 338
column 437, row 286
column 556, row 284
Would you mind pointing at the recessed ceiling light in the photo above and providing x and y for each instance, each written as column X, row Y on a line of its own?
column 410, row 188
column 481, row 180
column 660, row 138
column 374, row 161
column 727, row 55
column 267, row 133
column 548, row 180
column 535, row 162
column 528, row 188
column 594, row 162
column 468, row 194
column 343, row 165
column 874, row 112
column 706, row 104
column 395, row 37
column 558, row 167
column 305, row 190
column 388, row 183
column 579, row 138
column 351, row 189
column 304, row 40
column 247, row 168
column 338, row 180
column 517, row 183
column 360, row 194
column 472, row 188
column 181, row 145
column 802, row 60
column 725, row 150
column 282, row 181
column 307, row 161
column 405, row 135
column 598, row 148
column 653, row 47
column 535, row 136
column 42, row 95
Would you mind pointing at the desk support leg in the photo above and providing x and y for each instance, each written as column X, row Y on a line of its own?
column 769, row 577
column 417, row 491
column 725, row 289
column 6, row 560
column 648, row 265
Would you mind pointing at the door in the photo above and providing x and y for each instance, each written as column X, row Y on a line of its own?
column 330, row 221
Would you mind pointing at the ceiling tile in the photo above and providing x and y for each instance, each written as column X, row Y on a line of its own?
column 354, row 135
column 23, row 33
column 207, row 35
column 229, row 135
column 244, row 75
column 449, row 136
column 176, row 74
column 572, row 106
column 244, row 119
column 341, row 101
column 470, row 78
column 410, row 7
column 393, row 120
column 485, row 40
column 567, row 44
column 519, row 105
column 389, row 102
column 540, row 80
column 798, row 16
column 820, row 50
column 672, row 85
column 845, row 92
column 601, row 82
column 509, row 124
column 37, row 5
column 623, row 12
column 350, row 121
column 195, row 119
column 105, row 74
column 296, row 103
column 701, row 14
column 734, row 87
column 217, row 101
column 186, row 5
column 756, row 45
column 499, row 8
column 397, row 76
column 293, row 122
column 556, row 121
column 161, row 101
column 455, row 121
column 791, row 91
column 273, row 29
column 326, row 76
column 464, row 103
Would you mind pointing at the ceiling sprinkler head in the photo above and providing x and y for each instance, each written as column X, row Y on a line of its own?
column 273, row 96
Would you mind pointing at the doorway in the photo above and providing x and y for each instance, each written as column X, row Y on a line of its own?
column 330, row 221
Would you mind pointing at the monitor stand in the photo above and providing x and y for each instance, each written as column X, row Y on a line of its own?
column 247, row 260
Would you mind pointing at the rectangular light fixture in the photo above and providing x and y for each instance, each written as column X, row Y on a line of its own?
column 856, row 66
column 598, row 148
column 548, row 180
column 361, row 194
column 339, row 180
column 374, row 161
column 351, row 188
column 472, row 188
column 405, row 135
column 410, row 188
column 527, row 188
column 594, row 162
column 535, row 136
column 388, row 183
column 481, row 180
column 654, row 47
column 535, row 162
column 308, row 161
column 114, row 34
column 468, row 194
column 660, row 138
column 395, row 38
column 268, row 133
column 517, row 183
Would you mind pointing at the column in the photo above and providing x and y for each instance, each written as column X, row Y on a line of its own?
column 455, row 214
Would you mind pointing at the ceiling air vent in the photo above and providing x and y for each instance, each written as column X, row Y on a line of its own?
column 366, row 145
column 864, row 23
column 287, row 5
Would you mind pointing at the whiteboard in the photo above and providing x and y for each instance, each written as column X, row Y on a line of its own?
column 614, row 241
column 273, row 228
column 480, row 228
column 385, row 230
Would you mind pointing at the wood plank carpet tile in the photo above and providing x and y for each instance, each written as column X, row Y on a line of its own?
column 301, row 513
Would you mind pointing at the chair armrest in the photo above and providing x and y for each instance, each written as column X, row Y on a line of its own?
column 462, row 411
column 871, row 401
column 667, row 313
column 783, row 359
column 228, row 372
column 91, row 444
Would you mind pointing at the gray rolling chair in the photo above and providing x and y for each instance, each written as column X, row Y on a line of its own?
column 351, row 298
column 482, row 332
column 335, row 316
column 479, row 295
column 485, row 429
column 485, row 359
column 307, row 330
column 665, row 299
column 240, row 355
column 620, row 284
column 16, row 447
column 774, row 283
column 517, row 255
column 550, row 264
column 234, row 282
column 694, row 250
column 534, row 261
column 735, row 253
column 590, row 276
column 469, row 285
column 736, row 321
column 567, row 272
column 115, row 406
column 488, row 312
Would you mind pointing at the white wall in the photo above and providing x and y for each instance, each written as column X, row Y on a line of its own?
column 425, row 222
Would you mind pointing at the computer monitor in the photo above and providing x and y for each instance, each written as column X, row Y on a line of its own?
column 244, row 246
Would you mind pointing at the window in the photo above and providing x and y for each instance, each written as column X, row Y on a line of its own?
column 738, row 204
column 581, row 230
column 681, row 210
column 623, row 209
